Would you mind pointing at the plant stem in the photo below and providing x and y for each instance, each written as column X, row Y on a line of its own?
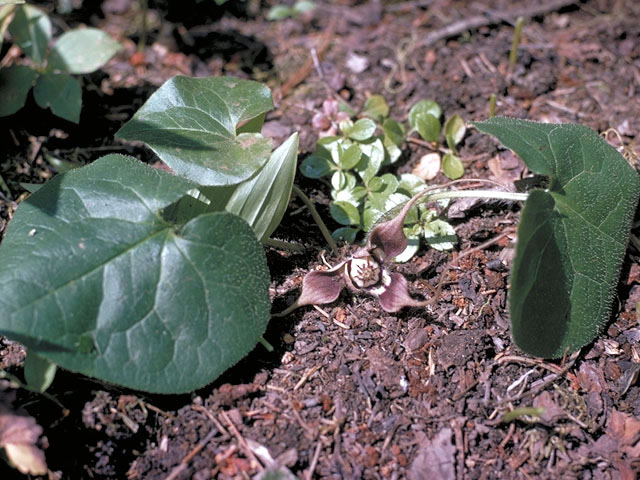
column 142, row 42
column 283, row 245
column 316, row 217
column 513, row 55
column 490, row 194
column 15, row 380
column 266, row 344
column 492, row 105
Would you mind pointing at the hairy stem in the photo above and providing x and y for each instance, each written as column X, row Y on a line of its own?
column 513, row 54
column 490, row 194
column 283, row 245
column 316, row 217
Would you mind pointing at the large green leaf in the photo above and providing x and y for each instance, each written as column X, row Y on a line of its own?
column 572, row 237
column 15, row 83
column 262, row 200
column 31, row 30
column 60, row 92
column 190, row 123
column 95, row 280
column 82, row 51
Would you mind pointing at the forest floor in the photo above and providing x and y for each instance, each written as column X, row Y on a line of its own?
column 351, row 391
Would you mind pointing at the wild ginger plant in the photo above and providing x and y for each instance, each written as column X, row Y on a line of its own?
column 159, row 282
column 572, row 238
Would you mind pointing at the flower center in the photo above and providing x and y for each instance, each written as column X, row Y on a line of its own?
column 364, row 272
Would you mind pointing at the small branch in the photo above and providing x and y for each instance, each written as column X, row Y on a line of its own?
column 316, row 217
column 491, row 18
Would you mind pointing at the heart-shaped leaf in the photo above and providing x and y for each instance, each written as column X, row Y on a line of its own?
column 190, row 123
column 15, row 83
column 62, row 93
column 95, row 280
column 31, row 30
column 82, row 51
column 262, row 200
column 572, row 237
column 345, row 213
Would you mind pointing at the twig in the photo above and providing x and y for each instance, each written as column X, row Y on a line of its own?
column 471, row 23
column 314, row 461
column 213, row 419
column 303, row 72
column 306, row 376
column 189, row 456
column 283, row 245
column 243, row 443
column 552, row 378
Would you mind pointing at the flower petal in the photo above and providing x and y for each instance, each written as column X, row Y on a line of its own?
column 318, row 287
column 396, row 295
column 388, row 236
column 321, row 287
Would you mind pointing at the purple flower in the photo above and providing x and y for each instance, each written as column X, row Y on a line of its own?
column 328, row 120
column 365, row 272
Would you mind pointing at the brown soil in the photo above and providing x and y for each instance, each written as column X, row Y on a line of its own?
column 351, row 391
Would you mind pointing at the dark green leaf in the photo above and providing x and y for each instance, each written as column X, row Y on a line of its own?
column 315, row 166
column 422, row 107
column 15, row 83
column 262, row 200
column 344, row 213
column 350, row 157
column 572, row 237
column 252, row 126
column 95, row 280
column 82, row 51
column 428, row 127
column 31, row 30
column 345, row 234
column 394, row 131
column 452, row 166
column 61, row 93
column 191, row 125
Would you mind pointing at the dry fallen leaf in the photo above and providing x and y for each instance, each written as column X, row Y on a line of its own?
column 428, row 166
column 18, row 436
